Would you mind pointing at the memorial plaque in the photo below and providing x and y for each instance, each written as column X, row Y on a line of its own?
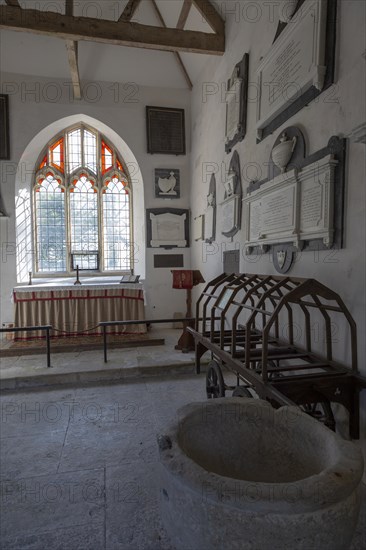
column 165, row 131
column 229, row 210
column 302, row 208
column 231, row 205
column 311, row 205
column 317, row 200
column 4, row 128
column 293, row 207
column 272, row 211
column 255, row 220
column 278, row 211
column 168, row 260
column 233, row 108
column 236, row 104
column 167, row 183
column 167, row 228
column 295, row 64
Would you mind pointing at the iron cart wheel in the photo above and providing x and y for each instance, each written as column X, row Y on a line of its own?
column 321, row 411
column 215, row 386
column 271, row 375
column 241, row 391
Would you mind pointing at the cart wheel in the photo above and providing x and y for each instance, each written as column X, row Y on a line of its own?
column 321, row 411
column 271, row 375
column 241, row 391
column 215, row 386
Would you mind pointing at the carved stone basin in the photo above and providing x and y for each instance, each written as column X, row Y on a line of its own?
column 238, row 474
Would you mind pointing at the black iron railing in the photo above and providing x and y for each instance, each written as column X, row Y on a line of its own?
column 46, row 328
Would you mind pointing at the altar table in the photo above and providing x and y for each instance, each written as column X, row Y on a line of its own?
column 77, row 310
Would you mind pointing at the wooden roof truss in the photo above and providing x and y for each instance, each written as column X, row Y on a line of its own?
column 123, row 32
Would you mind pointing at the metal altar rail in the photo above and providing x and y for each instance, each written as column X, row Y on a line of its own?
column 46, row 328
column 255, row 314
column 104, row 325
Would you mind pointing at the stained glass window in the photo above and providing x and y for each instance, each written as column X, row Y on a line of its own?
column 82, row 205
column 107, row 158
column 57, row 155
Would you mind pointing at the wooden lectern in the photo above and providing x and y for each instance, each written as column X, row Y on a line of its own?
column 186, row 279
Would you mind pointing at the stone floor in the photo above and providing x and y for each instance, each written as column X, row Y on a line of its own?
column 85, row 367
column 79, row 466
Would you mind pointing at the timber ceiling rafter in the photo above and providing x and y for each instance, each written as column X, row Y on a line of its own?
column 129, row 10
column 176, row 54
column 72, row 53
column 123, row 32
column 213, row 18
column 186, row 8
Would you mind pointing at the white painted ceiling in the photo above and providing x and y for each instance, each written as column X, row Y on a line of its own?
column 43, row 56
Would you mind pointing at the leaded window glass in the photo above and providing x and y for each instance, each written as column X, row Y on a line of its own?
column 116, row 224
column 50, row 224
column 84, row 215
column 82, row 205
column 74, row 150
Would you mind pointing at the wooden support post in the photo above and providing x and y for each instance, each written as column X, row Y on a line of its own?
column 72, row 53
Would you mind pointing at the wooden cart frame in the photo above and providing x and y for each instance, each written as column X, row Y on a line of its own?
column 242, row 319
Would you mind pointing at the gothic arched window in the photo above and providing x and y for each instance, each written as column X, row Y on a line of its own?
column 82, row 202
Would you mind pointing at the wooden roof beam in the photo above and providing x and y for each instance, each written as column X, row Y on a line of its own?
column 129, row 10
column 213, row 18
column 183, row 16
column 176, row 54
column 110, row 32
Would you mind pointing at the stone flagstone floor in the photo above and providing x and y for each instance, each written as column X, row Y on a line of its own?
column 79, row 466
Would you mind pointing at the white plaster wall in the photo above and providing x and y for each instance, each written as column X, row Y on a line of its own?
column 335, row 112
column 41, row 106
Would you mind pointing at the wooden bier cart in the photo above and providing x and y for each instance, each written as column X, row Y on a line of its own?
column 262, row 329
